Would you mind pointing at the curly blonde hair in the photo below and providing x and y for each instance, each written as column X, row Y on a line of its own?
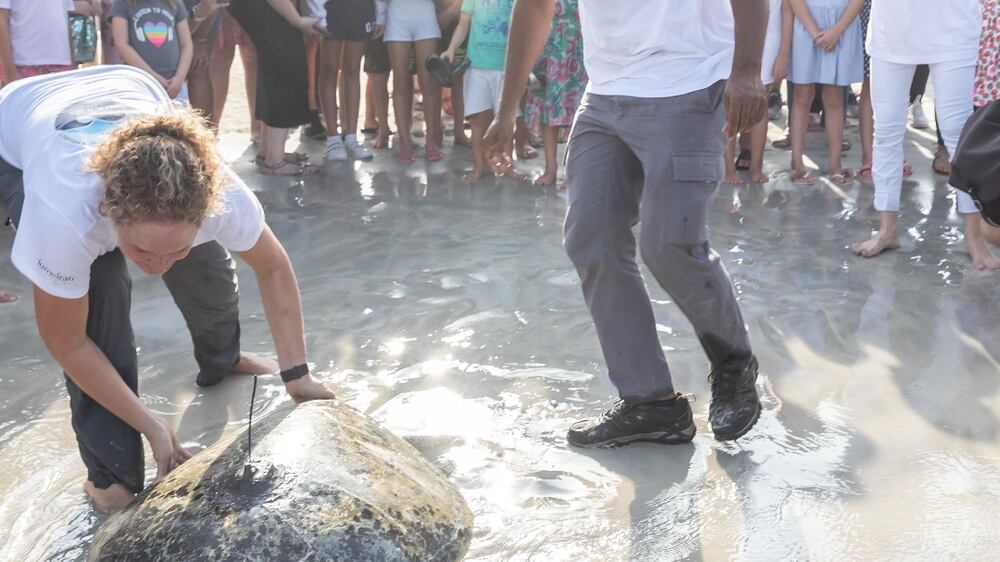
column 160, row 168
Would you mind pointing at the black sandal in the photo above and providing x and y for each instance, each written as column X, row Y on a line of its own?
column 743, row 160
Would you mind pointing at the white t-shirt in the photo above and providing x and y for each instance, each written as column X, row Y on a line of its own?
column 656, row 48
column 39, row 31
column 49, row 126
column 924, row 31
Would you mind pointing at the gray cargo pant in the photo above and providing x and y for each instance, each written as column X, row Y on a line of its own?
column 656, row 161
column 204, row 288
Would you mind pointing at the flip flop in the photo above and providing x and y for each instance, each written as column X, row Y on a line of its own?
column 843, row 176
column 444, row 72
column 293, row 157
column 432, row 154
column 865, row 171
column 783, row 143
column 407, row 159
column 802, row 177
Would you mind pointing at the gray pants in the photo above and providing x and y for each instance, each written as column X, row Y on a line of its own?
column 204, row 287
column 658, row 161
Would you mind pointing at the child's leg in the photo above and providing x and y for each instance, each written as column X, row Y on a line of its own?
column 732, row 176
column 329, row 68
column 431, row 94
column 350, row 94
column 458, row 110
column 833, row 104
column 758, row 138
column 370, row 122
column 480, row 122
column 248, row 55
column 550, row 138
column 379, row 84
column 222, row 62
column 402, row 95
column 800, row 121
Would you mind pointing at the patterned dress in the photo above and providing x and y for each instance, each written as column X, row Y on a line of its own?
column 561, row 67
column 988, row 71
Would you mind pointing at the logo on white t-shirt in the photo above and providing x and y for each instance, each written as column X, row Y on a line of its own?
column 87, row 123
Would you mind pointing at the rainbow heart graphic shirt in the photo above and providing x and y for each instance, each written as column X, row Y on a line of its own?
column 152, row 31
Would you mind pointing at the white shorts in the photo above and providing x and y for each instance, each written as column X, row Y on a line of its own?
column 481, row 91
column 411, row 20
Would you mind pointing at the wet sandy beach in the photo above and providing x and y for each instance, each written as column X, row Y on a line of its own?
column 451, row 314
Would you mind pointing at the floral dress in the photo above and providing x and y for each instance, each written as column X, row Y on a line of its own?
column 988, row 71
column 561, row 69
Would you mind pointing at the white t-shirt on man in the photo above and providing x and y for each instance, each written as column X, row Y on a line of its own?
column 39, row 31
column 924, row 31
column 49, row 126
column 656, row 48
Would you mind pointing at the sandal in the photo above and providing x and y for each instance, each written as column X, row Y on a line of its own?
column 865, row 171
column 942, row 161
column 282, row 169
column 845, row 145
column 405, row 158
column 743, row 160
column 843, row 176
column 432, row 154
column 526, row 153
column 907, row 169
column 783, row 143
column 802, row 177
column 292, row 157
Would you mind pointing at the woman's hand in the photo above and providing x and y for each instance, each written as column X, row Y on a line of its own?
column 379, row 32
column 174, row 86
column 780, row 69
column 167, row 450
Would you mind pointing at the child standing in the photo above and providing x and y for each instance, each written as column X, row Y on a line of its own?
column 773, row 69
column 154, row 35
column 489, row 21
column 34, row 38
column 826, row 49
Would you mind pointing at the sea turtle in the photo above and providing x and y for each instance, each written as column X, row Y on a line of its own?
column 325, row 483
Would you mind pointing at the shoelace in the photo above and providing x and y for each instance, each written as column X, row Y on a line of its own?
column 619, row 408
column 723, row 383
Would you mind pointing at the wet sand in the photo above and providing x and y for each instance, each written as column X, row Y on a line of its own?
column 452, row 315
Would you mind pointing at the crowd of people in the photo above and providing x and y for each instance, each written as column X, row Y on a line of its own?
column 656, row 93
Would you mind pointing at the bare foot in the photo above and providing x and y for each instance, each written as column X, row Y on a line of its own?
column 546, row 179
column 308, row 388
column 462, row 139
column 381, row 139
column 109, row 500
column 757, row 176
column 473, row 175
column 876, row 245
column 732, row 178
column 983, row 257
column 253, row 364
column 526, row 152
column 7, row 296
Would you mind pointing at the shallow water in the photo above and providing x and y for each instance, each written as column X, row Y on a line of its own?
column 452, row 315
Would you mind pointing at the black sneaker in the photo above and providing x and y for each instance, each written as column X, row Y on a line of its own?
column 314, row 130
column 735, row 406
column 662, row 421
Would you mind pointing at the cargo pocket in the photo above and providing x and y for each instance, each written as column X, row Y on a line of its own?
column 697, row 167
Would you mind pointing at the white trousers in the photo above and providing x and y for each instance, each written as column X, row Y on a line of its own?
column 953, row 88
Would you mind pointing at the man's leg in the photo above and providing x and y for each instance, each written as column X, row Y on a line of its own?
column 204, row 286
column 604, row 179
column 679, row 143
column 605, row 186
column 890, row 87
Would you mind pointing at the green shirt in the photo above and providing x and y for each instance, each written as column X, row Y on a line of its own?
column 488, row 32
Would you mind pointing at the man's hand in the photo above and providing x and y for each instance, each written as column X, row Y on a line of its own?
column 167, row 450
column 499, row 137
column 746, row 103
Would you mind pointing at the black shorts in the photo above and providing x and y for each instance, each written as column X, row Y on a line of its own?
column 350, row 20
column 377, row 57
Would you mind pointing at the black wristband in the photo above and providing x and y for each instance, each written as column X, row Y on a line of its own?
column 295, row 373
